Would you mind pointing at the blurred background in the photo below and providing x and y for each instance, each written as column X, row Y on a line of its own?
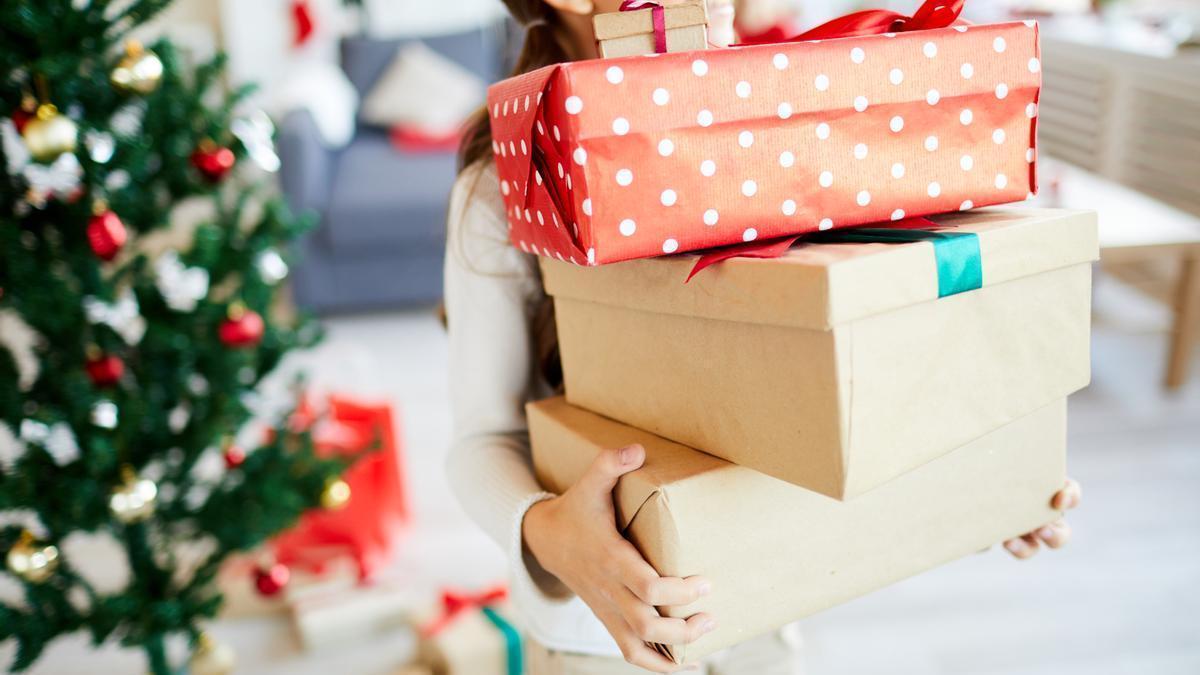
column 1120, row 133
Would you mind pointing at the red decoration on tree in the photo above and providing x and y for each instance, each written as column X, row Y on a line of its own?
column 302, row 22
column 270, row 580
column 106, row 233
column 213, row 161
column 25, row 113
column 20, row 118
column 105, row 370
column 242, row 328
column 234, row 456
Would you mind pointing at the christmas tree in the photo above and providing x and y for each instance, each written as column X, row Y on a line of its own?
column 145, row 342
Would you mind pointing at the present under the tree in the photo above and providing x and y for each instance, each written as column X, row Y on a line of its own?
column 775, row 552
column 652, row 27
column 838, row 366
column 471, row 634
column 368, row 525
column 608, row 160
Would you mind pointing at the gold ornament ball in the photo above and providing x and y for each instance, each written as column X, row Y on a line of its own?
column 50, row 134
column 32, row 561
column 211, row 657
column 134, row 499
column 336, row 494
column 138, row 72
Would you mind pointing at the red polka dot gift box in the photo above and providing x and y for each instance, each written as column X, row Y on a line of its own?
column 839, row 365
column 614, row 159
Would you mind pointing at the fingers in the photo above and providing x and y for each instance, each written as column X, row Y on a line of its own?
column 1054, row 535
column 649, row 626
column 601, row 477
column 1023, row 547
column 640, row 578
column 634, row 649
column 1068, row 497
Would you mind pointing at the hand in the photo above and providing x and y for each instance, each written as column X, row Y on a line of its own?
column 1054, row 535
column 575, row 538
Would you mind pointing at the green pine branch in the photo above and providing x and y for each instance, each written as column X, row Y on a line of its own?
column 62, row 52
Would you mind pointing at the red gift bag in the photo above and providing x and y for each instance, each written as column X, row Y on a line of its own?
column 368, row 526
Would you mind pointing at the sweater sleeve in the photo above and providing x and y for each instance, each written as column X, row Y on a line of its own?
column 490, row 291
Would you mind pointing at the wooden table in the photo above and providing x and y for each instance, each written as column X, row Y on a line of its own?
column 1151, row 246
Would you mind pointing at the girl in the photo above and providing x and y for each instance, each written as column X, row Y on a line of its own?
column 586, row 593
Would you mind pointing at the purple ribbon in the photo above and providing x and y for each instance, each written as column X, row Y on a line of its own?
column 657, row 17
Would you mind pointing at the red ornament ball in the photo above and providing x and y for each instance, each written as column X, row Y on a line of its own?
column 105, row 371
column 243, row 328
column 270, row 580
column 234, row 456
column 20, row 118
column 213, row 161
column 106, row 234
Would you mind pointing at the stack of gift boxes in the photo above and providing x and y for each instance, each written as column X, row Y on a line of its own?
column 824, row 417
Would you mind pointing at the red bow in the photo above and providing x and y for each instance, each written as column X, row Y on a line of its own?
column 455, row 603
column 931, row 14
column 657, row 17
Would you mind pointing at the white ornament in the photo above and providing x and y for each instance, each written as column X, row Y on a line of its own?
column 61, row 445
column 123, row 316
column 256, row 132
column 182, row 287
column 104, row 414
column 271, row 267
column 100, row 145
column 178, row 418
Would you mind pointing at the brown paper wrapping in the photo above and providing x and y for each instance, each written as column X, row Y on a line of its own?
column 775, row 552
column 632, row 33
column 836, row 367
column 468, row 645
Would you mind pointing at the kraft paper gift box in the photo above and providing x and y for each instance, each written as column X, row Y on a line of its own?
column 477, row 640
column 775, row 552
column 836, row 367
column 684, row 27
column 612, row 159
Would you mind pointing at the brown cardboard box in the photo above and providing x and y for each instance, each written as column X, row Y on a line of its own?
column 776, row 552
column 632, row 33
column 835, row 367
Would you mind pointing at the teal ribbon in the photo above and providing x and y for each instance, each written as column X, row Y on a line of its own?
column 512, row 641
column 959, row 262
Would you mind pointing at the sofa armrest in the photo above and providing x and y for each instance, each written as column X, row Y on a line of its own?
column 307, row 165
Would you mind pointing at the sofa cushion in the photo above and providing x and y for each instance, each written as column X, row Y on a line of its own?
column 479, row 51
column 386, row 199
column 449, row 93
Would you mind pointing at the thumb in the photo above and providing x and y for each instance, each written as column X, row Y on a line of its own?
column 601, row 477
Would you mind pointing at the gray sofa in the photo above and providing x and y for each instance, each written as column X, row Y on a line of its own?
column 382, row 211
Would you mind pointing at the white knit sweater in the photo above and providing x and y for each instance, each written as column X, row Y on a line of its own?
column 492, row 291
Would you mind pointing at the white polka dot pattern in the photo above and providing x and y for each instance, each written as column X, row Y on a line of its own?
column 753, row 143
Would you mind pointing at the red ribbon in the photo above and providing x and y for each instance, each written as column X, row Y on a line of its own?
column 657, row 17
column 774, row 248
column 931, row 14
column 454, row 603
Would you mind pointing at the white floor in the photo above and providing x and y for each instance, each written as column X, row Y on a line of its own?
column 1123, row 599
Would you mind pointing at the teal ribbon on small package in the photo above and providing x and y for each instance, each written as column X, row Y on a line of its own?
column 512, row 641
column 959, row 261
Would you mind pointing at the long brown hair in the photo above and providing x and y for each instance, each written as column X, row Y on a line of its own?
column 542, row 47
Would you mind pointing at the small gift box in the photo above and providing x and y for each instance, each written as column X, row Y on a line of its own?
column 614, row 159
column 471, row 634
column 652, row 27
column 775, row 552
column 842, row 364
